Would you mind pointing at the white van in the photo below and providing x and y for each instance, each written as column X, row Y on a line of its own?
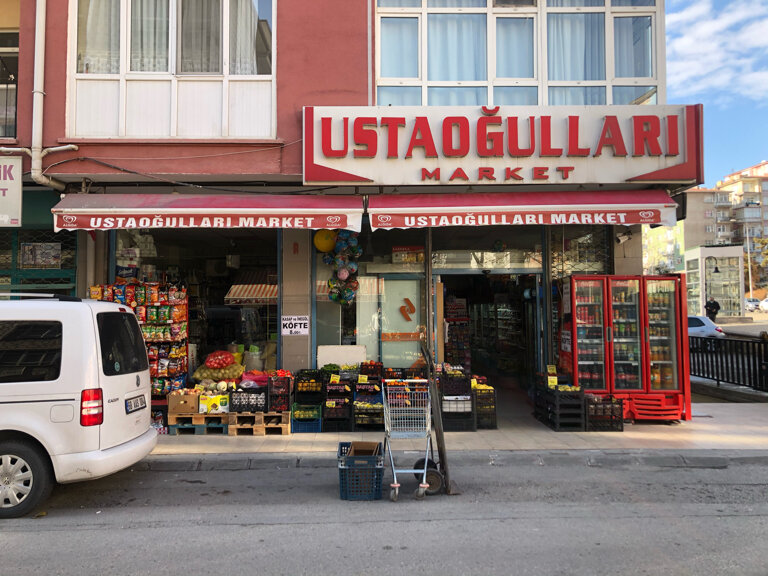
column 74, row 396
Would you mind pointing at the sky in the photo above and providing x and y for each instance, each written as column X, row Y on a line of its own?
column 717, row 55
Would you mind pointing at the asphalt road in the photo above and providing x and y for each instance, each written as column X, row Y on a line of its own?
column 519, row 513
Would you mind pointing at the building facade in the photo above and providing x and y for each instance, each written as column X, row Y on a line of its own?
column 205, row 142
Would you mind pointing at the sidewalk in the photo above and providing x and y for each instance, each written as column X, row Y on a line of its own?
column 715, row 426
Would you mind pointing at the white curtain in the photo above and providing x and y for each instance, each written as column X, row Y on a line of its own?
column 200, row 36
column 576, row 46
column 243, row 37
column 576, row 95
column 98, row 36
column 400, row 47
column 149, row 35
column 632, row 47
column 449, row 96
column 514, row 48
column 398, row 96
column 457, row 47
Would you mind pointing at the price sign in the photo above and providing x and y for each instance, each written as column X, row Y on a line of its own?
column 552, row 381
column 295, row 325
column 362, row 379
column 473, row 382
column 335, row 379
column 551, row 369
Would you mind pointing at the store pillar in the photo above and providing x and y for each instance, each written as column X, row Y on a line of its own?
column 296, row 294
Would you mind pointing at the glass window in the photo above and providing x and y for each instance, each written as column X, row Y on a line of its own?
column 576, row 45
column 633, row 2
column 447, row 96
column 515, row 95
column 9, row 77
column 399, row 3
column 400, row 47
column 634, row 95
column 514, row 48
column 29, row 351
column 200, row 36
column 398, row 96
column 250, row 37
column 633, row 44
column 574, row 3
column 576, row 95
column 456, row 3
column 122, row 346
column 98, row 36
column 694, row 322
column 457, row 47
column 504, row 3
column 149, row 35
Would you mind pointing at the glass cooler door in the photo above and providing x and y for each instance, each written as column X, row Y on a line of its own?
column 625, row 320
column 662, row 334
column 590, row 334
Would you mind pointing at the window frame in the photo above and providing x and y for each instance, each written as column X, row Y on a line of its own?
column 539, row 13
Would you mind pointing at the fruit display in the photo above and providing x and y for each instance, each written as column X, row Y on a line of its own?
column 219, row 359
column 231, row 372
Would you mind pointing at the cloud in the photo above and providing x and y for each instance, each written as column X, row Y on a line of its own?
column 717, row 51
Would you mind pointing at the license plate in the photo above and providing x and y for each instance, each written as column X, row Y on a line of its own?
column 134, row 404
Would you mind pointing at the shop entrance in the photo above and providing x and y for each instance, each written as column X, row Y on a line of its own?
column 491, row 325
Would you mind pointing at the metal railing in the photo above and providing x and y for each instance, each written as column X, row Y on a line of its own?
column 730, row 360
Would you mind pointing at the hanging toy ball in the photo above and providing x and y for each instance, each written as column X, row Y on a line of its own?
column 352, row 266
column 352, row 241
column 341, row 245
column 348, row 294
column 344, row 234
column 328, row 259
column 353, row 285
column 324, row 240
column 334, row 295
column 342, row 273
column 333, row 283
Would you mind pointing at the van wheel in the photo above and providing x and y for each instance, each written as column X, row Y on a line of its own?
column 25, row 478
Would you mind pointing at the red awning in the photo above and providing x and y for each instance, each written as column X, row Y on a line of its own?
column 123, row 211
column 520, row 208
column 251, row 294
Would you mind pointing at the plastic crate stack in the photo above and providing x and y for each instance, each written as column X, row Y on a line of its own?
column 603, row 413
column 280, row 385
column 485, row 403
column 361, row 471
column 337, row 407
column 561, row 410
column 457, row 403
column 369, row 398
column 309, row 395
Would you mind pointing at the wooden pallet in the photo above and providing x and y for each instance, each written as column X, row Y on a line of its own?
column 246, row 418
column 247, row 430
column 277, row 429
column 203, row 429
column 277, row 418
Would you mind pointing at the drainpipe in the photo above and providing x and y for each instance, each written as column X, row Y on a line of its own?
column 36, row 152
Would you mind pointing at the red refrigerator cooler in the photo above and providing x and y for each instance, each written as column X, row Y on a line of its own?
column 626, row 336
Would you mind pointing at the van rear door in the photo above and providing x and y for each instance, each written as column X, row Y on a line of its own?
column 124, row 376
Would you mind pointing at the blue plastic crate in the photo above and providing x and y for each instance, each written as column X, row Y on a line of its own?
column 306, row 426
column 360, row 477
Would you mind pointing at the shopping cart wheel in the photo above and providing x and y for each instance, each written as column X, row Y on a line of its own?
column 434, row 481
column 420, row 465
column 420, row 491
column 394, row 492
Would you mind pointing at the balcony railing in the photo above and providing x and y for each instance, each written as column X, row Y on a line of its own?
column 8, row 110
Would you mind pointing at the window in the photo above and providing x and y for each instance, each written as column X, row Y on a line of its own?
column 694, row 322
column 173, row 68
column 9, row 77
column 709, row 199
column 517, row 52
column 122, row 346
column 710, row 229
column 30, row 351
column 709, row 214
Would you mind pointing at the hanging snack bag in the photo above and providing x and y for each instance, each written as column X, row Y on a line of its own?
column 146, row 331
column 97, row 292
column 141, row 313
column 141, row 295
column 162, row 367
column 153, row 294
column 153, row 351
column 164, row 314
column 153, row 368
column 109, row 293
column 118, row 293
column 164, row 351
column 130, row 295
column 162, row 295
column 151, row 313
column 173, row 366
column 178, row 312
column 175, row 331
column 166, row 333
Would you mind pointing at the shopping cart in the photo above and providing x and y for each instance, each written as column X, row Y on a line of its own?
column 407, row 415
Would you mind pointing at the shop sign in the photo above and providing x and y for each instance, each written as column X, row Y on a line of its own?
column 129, row 222
column 502, row 145
column 295, row 325
column 10, row 192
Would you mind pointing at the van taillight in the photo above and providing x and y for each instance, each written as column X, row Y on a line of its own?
column 91, row 407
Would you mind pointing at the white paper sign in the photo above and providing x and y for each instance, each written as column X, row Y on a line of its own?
column 295, row 325
column 10, row 192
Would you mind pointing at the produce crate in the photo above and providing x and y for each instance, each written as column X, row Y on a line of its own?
column 452, row 385
column 486, row 420
column 309, row 381
column 393, row 374
column 360, row 477
column 459, row 422
column 412, row 373
column 339, row 389
column 280, row 402
column 344, row 425
column 370, row 388
column 485, row 408
column 457, row 404
column 306, row 426
column 604, row 413
column 252, row 400
column 306, row 411
column 561, row 411
column 337, row 408
column 280, row 385
column 371, row 369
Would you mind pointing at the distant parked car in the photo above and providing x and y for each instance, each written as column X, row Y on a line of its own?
column 763, row 306
column 703, row 326
column 751, row 304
